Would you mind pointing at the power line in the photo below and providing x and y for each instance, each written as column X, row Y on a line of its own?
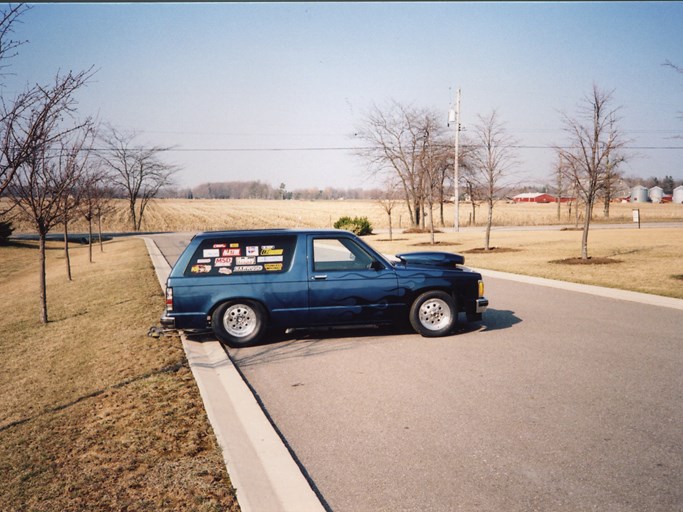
column 367, row 148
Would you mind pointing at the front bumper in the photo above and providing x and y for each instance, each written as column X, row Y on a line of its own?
column 481, row 305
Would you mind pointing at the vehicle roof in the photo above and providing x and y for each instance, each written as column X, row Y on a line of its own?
column 271, row 231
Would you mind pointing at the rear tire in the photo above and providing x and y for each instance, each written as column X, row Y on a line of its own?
column 239, row 323
column 433, row 314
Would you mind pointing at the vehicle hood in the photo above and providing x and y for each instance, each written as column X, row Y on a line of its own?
column 431, row 259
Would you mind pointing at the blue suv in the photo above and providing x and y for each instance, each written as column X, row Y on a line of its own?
column 243, row 283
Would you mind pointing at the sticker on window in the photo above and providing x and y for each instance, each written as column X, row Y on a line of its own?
column 200, row 269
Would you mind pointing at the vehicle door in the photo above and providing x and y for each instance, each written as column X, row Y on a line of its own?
column 347, row 284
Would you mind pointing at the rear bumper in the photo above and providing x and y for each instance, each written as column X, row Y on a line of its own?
column 481, row 305
column 167, row 322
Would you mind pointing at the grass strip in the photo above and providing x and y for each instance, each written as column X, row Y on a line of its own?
column 95, row 415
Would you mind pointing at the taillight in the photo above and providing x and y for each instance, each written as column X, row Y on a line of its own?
column 169, row 299
column 481, row 288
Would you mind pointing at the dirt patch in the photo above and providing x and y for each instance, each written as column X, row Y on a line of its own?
column 497, row 250
column 589, row 261
column 678, row 276
column 417, row 231
column 427, row 244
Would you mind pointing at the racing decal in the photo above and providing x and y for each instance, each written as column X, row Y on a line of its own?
column 211, row 253
column 235, row 251
column 235, row 245
column 249, row 268
column 245, row 261
column 223, row 262
column 204, row 260
column 269, row 259
column 273, row 267
column 200, row 269
column 224, row 270
column 252, row 250
column 271, row 251
column 219, row 246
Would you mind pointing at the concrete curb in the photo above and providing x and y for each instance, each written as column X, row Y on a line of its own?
column 263, row 472
column 611, row 293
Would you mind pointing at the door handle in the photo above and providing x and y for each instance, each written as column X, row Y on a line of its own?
column 320, row 277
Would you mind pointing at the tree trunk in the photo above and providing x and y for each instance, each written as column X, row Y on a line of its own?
column 431, row 223
column 133, row 217
column 391, row 234
column 99, row 232
column 586, row 225
column 66, row 250
column 43, row 285
column 489, row 222
column 90, row 238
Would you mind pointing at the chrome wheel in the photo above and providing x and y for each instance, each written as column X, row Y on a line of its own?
column 240, row 320
column 435, row 314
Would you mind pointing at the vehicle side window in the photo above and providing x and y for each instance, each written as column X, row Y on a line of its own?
column 339, row 254
column 242, row 256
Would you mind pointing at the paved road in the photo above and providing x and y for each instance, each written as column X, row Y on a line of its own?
column 560, row 401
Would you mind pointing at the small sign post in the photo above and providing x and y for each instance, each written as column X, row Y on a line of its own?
column 636, row 216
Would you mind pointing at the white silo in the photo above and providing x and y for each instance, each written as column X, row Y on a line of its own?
column 678, row 195
column 639, row 194
column 656, row 194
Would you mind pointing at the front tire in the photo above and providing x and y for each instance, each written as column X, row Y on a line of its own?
column 239, row 323
column 433, row 314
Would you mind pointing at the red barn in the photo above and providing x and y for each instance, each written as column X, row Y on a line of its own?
column 534, row 197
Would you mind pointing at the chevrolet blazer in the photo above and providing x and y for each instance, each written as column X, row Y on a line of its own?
column 243, row 283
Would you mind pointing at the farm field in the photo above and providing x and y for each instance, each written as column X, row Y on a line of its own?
column 207, row 214
column 647, row 260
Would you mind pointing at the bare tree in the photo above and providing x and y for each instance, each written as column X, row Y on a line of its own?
column 388, row 199
column 492, row 157
column 72, row 162
column 8, row 46
column 594, row 146
column 93, row 199
column 135, row 169
column 9, row 161
column 396, row 146
column 40, row 182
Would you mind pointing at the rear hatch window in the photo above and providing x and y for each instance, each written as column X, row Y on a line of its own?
column 242, row 256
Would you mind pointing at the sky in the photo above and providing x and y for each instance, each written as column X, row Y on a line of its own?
column 275, row 91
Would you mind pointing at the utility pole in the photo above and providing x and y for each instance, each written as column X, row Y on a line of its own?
column 456, row 173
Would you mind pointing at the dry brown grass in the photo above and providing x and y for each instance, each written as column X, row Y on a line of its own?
column 205, row 214
column 94, row 415
column 650, row 259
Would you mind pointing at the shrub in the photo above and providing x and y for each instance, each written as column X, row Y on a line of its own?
column 6, row 230
column 358, row 225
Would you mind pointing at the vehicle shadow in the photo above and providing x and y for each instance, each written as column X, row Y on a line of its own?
column 311, row 342
column 497, row 319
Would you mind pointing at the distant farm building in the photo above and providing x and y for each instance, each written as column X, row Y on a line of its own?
column 656, row 194
column 539, row 197
column 639, row 194
column 678, row 195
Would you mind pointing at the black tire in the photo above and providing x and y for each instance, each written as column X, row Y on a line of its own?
column 239, row 323
column 433, row 314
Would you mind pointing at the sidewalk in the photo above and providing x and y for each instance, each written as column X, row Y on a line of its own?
column 262, row 470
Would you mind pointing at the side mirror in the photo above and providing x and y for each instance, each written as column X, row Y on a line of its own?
column 376, row 265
